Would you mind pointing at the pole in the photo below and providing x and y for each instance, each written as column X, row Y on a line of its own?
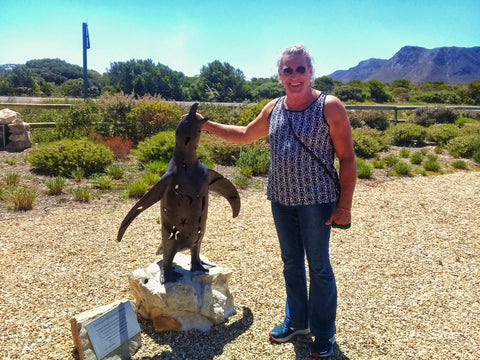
column 86, row 45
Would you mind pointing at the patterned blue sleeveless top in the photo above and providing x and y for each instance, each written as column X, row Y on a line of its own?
column 295, row 177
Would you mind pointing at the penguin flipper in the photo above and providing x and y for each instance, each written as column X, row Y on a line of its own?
column 151, row 197
column 221, row 185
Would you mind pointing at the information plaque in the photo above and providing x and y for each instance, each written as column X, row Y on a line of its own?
column 113, row 329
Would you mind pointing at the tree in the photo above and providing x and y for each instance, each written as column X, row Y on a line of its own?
column 324, row 83
column 348, row 92
column 378, row 92
column 223, row 82
column 141, row 77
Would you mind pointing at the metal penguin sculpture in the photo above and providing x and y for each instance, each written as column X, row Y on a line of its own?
column 183, row 192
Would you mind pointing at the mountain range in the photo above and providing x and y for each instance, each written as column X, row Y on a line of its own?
column 453, row 65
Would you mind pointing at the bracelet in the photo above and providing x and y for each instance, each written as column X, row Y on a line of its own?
column 344, row 209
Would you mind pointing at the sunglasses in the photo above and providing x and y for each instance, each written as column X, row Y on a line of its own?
column 289, row 70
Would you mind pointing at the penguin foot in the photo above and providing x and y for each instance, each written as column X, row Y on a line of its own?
column 169, row 275
column 200, row 266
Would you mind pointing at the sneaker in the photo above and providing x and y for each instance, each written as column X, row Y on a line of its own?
column 322, row 349
column 282, row 333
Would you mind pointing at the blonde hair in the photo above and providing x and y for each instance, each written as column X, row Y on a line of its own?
column 295, row 50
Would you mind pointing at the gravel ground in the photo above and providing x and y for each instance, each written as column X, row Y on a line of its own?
column 407, row 274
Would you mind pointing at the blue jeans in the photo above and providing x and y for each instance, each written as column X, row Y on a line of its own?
column 301, row 230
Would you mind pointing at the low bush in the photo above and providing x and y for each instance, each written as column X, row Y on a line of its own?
column 158, row 147
column 55, row 186
column 463, row 146
column 81, row 194
column 402, row 168
column 430, row 115
column 68, row 156
column 12, row 179
column 23, row 198
column 462, row 120
column 258, row 162
column 249, row 114
column 374, row 119
column 368, row 142
column 151, row 117
column 432, row 164
column 102, row 182
column 115, row 171
column 221, row 114
column 416, row 157
column 81, row 117
column 441, row 134
column 220, row 151
column 459, row 164
column 156, row 167
column 119, row 145
column 137, row 188
column 364, row 170
column 406, row 134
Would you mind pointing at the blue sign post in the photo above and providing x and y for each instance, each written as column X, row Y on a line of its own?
column 86, row 45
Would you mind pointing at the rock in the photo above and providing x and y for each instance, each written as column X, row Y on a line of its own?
column 196, row 301
column 18, row 135
column 82, row 340
column 8, row 116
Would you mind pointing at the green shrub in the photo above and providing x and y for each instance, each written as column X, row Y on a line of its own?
column 459, row 164
column 150, row 178
column 463, row 146
column 249, row 114
column 148, row 118
column 470, row 129
column 375, row 119
column 462, row 120
column 81, row 194
column 259, row 162
column 156, row 167
column 66, row 156
column 432, row 164
column 102, row 182
column 391, row 160
column 402, row 168
column 157, row 147
column 12, row 179
column 404, row 152
column 416, row 157
column 430, row 115
column 405, row 134
column 441, row 134
column 23, row 198
column 55, row 186
column 137, row 188
column 78, row 174
column 378, row 163
column 220, row 113
column 113, row 120
column 115, row 171
column 242, row 182
column 364, row 170
column 368, row 142
column 476, row 155
column 221, row 151
column 78, row 120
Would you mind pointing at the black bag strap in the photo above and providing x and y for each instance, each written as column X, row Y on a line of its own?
column 333, row 174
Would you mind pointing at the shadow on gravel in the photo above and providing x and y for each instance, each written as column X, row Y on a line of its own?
column 196, row 344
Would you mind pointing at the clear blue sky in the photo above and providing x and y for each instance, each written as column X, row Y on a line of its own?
column 249, row 35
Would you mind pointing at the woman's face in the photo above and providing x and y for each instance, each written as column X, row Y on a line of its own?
column 295, row 74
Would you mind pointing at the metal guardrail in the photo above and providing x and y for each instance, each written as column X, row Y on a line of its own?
column 394, row 108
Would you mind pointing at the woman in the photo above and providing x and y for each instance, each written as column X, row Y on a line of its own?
column 301, row 189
